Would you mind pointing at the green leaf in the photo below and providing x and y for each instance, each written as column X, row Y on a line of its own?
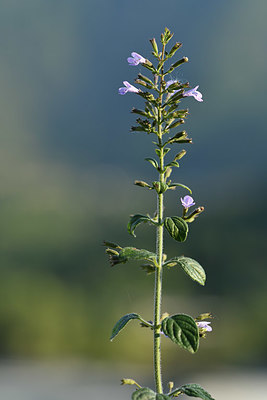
column 131, row 253
column 135, row 220
column 182, row 330
column 177, row 228
column 121, row 324
column 173, row 185
column 195, row 390
column 144, row 394
column 190, row 267
column 125, row 254
column 173, row 164
column 160, row 187
column 153, row 162
column 165, row 151
column 162, row 397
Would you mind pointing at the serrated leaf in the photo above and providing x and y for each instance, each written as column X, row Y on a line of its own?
column 177, row 228
column 130, row 253
column 144, row 394
column 153, row 162
column 191, row 267
column 135, row 220
column 162, row 397
column 121, row 324
column 195, row 390
column 182, row 330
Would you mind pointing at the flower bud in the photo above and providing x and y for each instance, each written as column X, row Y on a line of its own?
column 140, row 112
column 175, row 124
column 142, row 184
column 129, row 381
column 145, row 84
column 145, row 78
column 180, row 155
column 174, row 49
column 177, row 64
column 171, row 386
column 203, row 316
column 154, row 45
column 195, row 213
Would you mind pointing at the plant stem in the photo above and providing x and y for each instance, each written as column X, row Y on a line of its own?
column 159, row 248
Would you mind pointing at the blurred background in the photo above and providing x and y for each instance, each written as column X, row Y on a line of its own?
column 67, row 167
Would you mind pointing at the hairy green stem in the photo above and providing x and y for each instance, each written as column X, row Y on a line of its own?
column 159, row 248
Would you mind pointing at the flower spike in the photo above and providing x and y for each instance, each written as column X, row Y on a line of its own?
column 128, row 88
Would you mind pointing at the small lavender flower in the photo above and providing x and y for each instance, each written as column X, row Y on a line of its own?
column 204, row 325
column 136, row 59
column 128, row 88
column 193, row 92
column 170, row 82
column 187, row 201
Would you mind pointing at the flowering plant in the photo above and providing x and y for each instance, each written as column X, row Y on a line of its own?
column 160, row 116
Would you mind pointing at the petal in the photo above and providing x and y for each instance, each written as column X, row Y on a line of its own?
column 132, row 61
column 127, row 84
column 123, row 90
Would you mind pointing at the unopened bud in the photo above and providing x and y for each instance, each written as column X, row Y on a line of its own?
column 112, row 252
column 145, row 84
column 177, row 64
column 164, row 315
column 174, row 49
column 168, row 172
column 154, row 45
column 170, row 385
column 195, row 213
column 203, row 316
column 180, row 155
column 177, row 123
column 142, row 184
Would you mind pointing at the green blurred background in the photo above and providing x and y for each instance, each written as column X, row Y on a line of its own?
column 68, row 162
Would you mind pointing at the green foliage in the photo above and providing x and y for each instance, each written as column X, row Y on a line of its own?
column 194, row 390
column 191, row 267
column 135, row 220
column 182, row 330
column 162, row 397
column 129, row 253
column 162, row 115
column 153, row 162
column 174, row 185
column 144, row 394
column 148, row 394
column 120, row 324
column 177, row 228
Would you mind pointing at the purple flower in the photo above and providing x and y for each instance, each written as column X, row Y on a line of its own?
column 204, row 325
column 136, row 59
column 128, row 88
column 187, row 202
column 193, row 92
column 170, row 82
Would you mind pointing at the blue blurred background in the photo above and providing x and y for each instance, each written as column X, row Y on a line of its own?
column 67, row 166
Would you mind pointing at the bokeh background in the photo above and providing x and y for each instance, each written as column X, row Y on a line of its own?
column 67, row 166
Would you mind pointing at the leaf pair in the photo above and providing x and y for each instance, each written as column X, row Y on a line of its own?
column 180, row 328
column 191, row 389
